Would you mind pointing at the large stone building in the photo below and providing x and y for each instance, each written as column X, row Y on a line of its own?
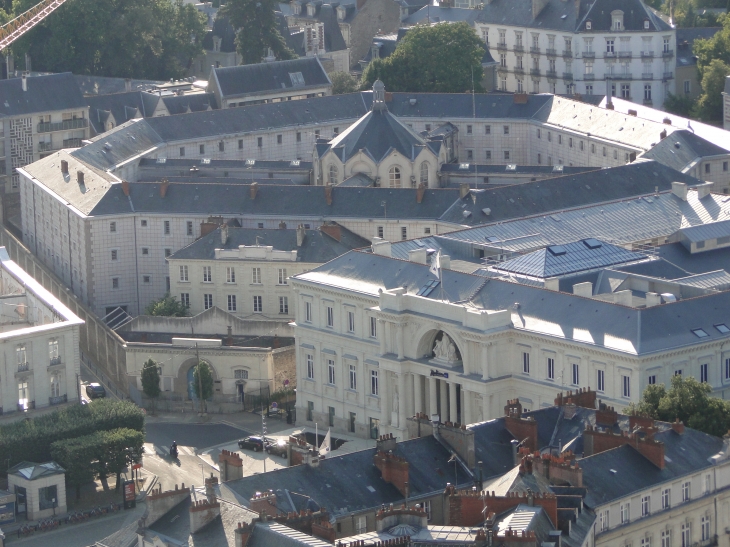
column 591, row 48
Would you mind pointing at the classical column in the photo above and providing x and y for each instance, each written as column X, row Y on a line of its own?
column 432, row 396
column 399, row 335
column 401, row 400
column 417, row 399
column 444, row 406
column 384, row 397
column 486, row 350
column 381, row 335
column 466, row 402
column 453, row 409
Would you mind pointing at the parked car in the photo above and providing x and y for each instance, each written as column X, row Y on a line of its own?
column 253, row 442
column 276, row 447
column 95, row 390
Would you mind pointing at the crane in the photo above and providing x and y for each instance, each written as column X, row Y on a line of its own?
column 14, row 29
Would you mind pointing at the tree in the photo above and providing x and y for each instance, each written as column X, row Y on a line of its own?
column 682, row 105
column 151, row 39
column 75, row 456
column 443, row 58
column 257, row 30
column 342, row 82
column 717, row 47
column 120, row 448
column 688, row 401
column 151, row 381
column 709, row 105
column 203, row 375
column 167, row 306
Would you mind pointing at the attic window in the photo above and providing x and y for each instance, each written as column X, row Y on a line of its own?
column 588, row 25
column 700, row 333
column 557, row 250
column 463, row 166
column 161, row 160
column 297, row 80
column 205, row 161
column 294, row 163
column 723, row 328
column 492, row 239
column 428, row 288
column 646, row 24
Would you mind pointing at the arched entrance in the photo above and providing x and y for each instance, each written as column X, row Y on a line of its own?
column 184, row 382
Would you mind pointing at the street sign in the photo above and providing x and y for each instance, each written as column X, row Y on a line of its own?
column 274, row 405
column 130, row 495
column 137, row 466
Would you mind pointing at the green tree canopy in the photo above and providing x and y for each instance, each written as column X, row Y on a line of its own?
column 709, row 105
column 152, row 39
column 681, row 105
column 257, row 30
column 151, row 380
column 441, row 59
column 342, row 82
column 203, row 369
column 687, row 400
column 167, row 306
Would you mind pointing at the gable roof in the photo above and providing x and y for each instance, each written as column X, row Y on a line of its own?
column 47, row 93
column 244, row 80
column 681, row 148
column 123, row 106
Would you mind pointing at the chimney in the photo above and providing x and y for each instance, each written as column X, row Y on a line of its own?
column 632, row 113
column 569, row 411
column 163, row 187
column 583, row 289
column 663, row 135
column 667, row 121
column 254, row 189
column 609, row 97
column 328, row 194
column 80, row 177
column 64, row 167
column 653, row 299
column 332, row 230
column 418, row 255
column 420, row 191
column 282, row 225
column 519, row 98
column 300, row 235
column 125, row 187
column 445, row 262
column 229, row 336
column 393, row 469
column 224, row 234
column 703, row 190
column 381, row 247
column 463, row 190
column 678, row 427
column 24, row 81
column 263, row 503
column 386, row 443
column 243, row 533
column 679, row 189
column 552, row 284
column 127, row 84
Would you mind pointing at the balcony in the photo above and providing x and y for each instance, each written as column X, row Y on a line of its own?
column 552, row 52
column 535, row 50
column 648, row 102
column 568, row 76
column 647, row 75
column 519, row 70
column 589, row 77
column 609, row 55
column 535, row 72
column 551, row 74
column 502, row 68
column 23, row 367
column 57, row 400
column 589, row 54
column 668, row 53
column 519, row 48
column 647, row 54
column 624, row 54
column 54, row 362
column 44, row 147
column 72, row 143
column 65, row 125
column 568, row 53
column 501, row 45
column 667, row 76
column 30, row 405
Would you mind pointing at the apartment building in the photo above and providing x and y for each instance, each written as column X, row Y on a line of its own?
column 41, row 345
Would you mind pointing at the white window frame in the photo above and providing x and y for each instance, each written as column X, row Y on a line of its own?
column 309, row 360
column 374, row 383
column 353, row 377
column 331, row 378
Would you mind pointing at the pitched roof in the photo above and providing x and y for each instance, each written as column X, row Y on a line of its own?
column 685, row 43
column 223, row 30
column 32, row 471
column 318, row 247
column 193, row 102
column 681, row 148
column 122, row 143
column 104, row 85
column 244, row 80
column 123, row 106
column 47, row 93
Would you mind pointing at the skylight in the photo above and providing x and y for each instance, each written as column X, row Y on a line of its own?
column 700, row 333
column 297, row 79
column 205, row 161
column 723, row 328
column 557, row 250
column 161, row 160
column 428, row 288
column 592, row 243
column 463, row 166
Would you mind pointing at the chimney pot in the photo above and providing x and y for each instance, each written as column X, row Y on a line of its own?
column 163, row 187
column 80, row 177
column 64, row 167
column 24, row 81
column 125, row 187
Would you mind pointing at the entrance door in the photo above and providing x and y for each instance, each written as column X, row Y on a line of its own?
column 20, row 501
column 239, row 388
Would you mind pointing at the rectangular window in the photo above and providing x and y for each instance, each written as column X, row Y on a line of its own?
column 703, row 373
column 539, row 158
column 114, row 254
column 551, row 368
column 166, row 227
column 625, row 513
column 146, row 279
column 353, row 377
column 625, row 386
column 361, row 524
column 652, row 380
column 704, row 528
column 112, row 226
column 256, row 276
column 282, row 276
column 686, row 494
column 645, row 506
column 284, row 304
column 374, row 388
column 708, row 485
column 231, row 302
column 258, row 305
column 330, row 316
column 380, row 232
column 427, row 509
column 260, row 142
column 230, row 275
column 506, row 155
column 603, row 520
column 182, row 151
column 576, row 374
column 350, row 321
column 330, row 372
column 183, row 273
column 47, row 497
column 190, row 227
column 666, row 538
column 299, row 136
column 168, row 252
column 240, row 144
column 505, row 129
column 666, row 498
column 488, row 154
column 373, row 327
column 468, row 129
column 310, row 366
column 279, row 139
column 115, row 282
column 308, row 312
column 201, row 149
column 310, row 410
column 207, row 301
column 53, row 349
column 207, row 274
column 221, row 146
column 331, row 414
column 600, row 380
column 686, row 535
column 525, row 362
column 487, row 129
column 707, row 168
column 404, row 233
column 185, row 299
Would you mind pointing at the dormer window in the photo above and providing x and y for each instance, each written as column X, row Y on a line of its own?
column 589, row 24
column 646, row 24
column 341, row 14
column 617, row 20
column 310, row 10
column 297, row 9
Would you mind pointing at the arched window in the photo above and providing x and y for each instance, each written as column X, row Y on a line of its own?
column 333, row 175
column 424, row 173
column 394, row 177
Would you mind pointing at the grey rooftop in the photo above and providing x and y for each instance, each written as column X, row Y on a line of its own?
column 47, row 93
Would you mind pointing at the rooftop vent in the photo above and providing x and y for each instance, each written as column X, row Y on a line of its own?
column 413, row 102
column 487, row 211
column 108, row 146
column 592, row 243
column 557, row 250
column 559, row 169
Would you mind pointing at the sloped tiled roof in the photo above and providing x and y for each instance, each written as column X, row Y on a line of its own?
column 45, row 93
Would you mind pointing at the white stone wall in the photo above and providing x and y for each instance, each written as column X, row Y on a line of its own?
column 33, row 511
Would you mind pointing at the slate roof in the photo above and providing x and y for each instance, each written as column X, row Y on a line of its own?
column 123, row 106
column 104, row 85
column 125, row 141
column 333, row 39
column 490, row 169
column 351, row 482
column 318, row 247
column 47, row 93
column 685, row 43
column 273, row 534
column 32, row 471
column 377, row 133
column 245, row 80
column 684, row 454
column 681, row 148
column 559, row 260
column 192, row 102
column 223, row 29
column 706, row 231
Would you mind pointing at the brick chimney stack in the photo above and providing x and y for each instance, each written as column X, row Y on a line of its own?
column 420, row 192
column 523, row 429
column 163, row 187
column 80, row 177
column 678, row 427
column 125, row 187
column 393, row 469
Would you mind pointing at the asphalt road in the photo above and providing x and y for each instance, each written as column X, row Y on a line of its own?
column 193, row 435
